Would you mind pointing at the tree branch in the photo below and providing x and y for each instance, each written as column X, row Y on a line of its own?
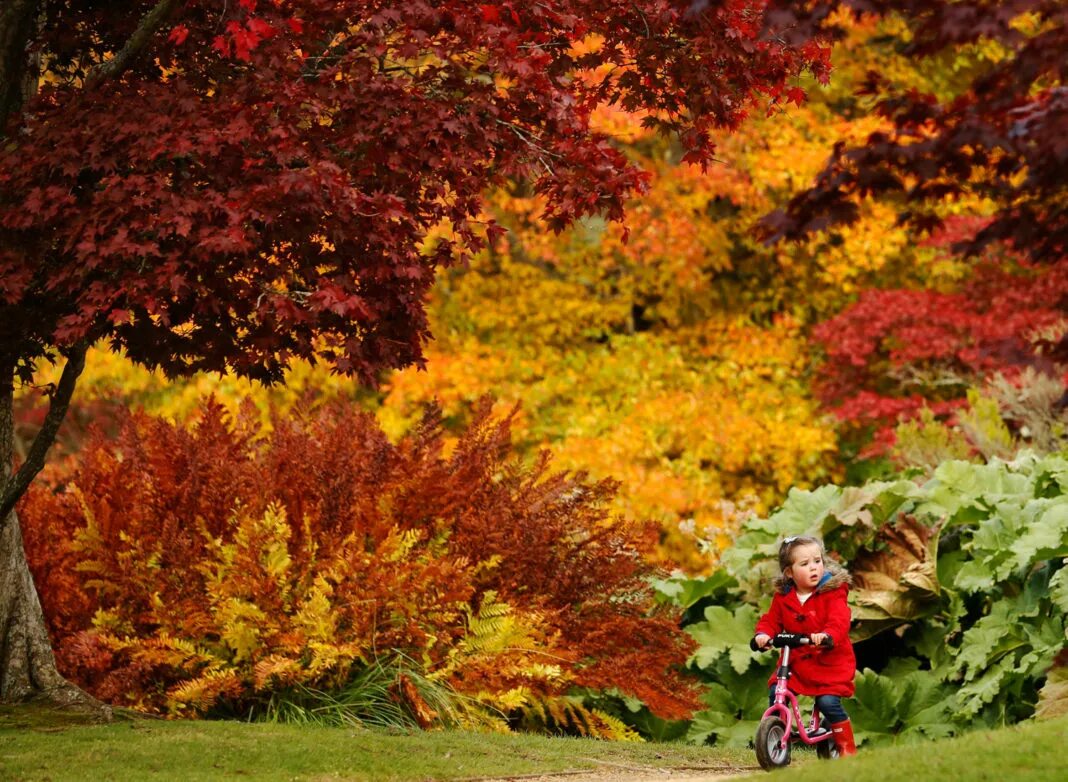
column 148, row 27
column 35, row 459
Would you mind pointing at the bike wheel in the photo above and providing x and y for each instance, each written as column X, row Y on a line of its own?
column 770, row 751
column 828, row 749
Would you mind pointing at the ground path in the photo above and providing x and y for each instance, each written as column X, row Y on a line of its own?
column 626, row 772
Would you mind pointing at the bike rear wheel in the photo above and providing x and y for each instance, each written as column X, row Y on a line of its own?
column 827, row 750
column 770, row 751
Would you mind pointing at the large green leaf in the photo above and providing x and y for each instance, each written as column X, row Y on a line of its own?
column 803, row 511
column 929, row 638
column 801, row 514
column 748, row 691
column 880, row 500
column 962, row 491
column 975, row 576
column 973, row 696
column 1046, row 536
column 727, row 632
column 988, row 640
column 873, row 709
column 992, row 538
column 827, row 511
column 1058, row 591
column 720, row 711
column 734, row 704
column 902, row 701
column 684, row 592
column 851, row 508
column 1052, row 476
column 740, row 734
column 1047, row 638
column 925, row 702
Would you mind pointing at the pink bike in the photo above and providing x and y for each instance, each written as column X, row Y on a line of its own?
column 782, row 724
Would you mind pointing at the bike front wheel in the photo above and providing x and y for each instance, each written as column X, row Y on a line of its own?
column 771, row 752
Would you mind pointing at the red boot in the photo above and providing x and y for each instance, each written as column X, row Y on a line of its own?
column 843, row 737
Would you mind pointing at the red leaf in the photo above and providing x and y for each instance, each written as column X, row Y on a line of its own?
column 260, row 28
column 221, row 45
column 178, row 35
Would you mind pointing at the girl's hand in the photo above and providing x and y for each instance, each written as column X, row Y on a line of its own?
column 762, row 640
column 818, row 638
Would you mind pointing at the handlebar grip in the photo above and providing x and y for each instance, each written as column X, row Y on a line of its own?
column 793, row 640
column 789, row 639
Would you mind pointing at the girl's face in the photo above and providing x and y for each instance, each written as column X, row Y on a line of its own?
column 807, row 568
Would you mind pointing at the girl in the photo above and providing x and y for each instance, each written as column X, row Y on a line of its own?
column 810, row 599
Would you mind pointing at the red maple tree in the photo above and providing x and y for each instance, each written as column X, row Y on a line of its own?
column 1001, row 137
column 216, row 185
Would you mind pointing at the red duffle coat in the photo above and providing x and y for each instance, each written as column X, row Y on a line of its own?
column 816, row 670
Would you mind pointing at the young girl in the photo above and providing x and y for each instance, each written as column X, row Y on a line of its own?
column 810, row 599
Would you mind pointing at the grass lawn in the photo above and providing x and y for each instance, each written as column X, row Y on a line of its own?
column 36, row 745
column 1032, row 751
column 40, row 745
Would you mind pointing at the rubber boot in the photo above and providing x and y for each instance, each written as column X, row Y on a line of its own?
column 843, row 737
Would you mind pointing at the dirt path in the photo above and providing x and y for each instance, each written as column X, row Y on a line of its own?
column 623, row 772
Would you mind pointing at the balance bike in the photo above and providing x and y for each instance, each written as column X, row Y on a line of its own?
column 782, row 723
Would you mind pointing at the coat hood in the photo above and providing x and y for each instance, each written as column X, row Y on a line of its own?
column 834, row 577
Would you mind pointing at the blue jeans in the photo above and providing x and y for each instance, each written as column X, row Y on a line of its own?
column 830, row 706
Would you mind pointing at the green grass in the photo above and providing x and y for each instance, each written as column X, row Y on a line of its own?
column 1032, row 751
column 38, row 745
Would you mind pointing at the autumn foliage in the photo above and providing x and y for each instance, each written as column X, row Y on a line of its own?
column 896, row 352
column 998, row 135
column 251, row 183
column 674, row 356
column 677, row 353
column 209, row 568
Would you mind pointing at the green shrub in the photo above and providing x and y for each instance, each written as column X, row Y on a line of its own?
column 960, row 595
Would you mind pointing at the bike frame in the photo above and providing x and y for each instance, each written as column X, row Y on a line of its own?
column 785, row 708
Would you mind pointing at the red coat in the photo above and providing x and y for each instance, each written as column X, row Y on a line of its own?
column 816, row 670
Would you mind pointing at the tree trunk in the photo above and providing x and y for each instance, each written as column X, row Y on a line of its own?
column 27, row 665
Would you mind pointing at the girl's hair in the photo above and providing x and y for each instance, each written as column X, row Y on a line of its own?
column 786, row 551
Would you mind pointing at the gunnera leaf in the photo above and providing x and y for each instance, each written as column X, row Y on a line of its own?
column 897, row 582
column 1053, row 697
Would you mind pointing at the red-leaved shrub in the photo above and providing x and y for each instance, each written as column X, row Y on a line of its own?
column 182, row 569
column 896, row 352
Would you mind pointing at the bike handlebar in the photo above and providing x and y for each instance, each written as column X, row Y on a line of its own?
column 793, row 640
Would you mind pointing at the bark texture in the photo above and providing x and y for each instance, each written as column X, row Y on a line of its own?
column 17, row 18
column 27, row 665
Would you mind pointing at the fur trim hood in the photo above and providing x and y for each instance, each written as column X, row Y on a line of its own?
column 835, row 577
